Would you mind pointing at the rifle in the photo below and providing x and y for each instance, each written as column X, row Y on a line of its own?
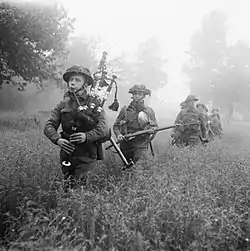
column 118, row 150
column 130, row 136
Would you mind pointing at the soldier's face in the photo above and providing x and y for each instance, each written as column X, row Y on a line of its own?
column 137, row 96
column 200, row 109
column 76, row 81
column 192, row 103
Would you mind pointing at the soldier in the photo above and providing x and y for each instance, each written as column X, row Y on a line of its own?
column 203, row 109
column 82, row 147
column 215, row 123
column 135, row 117
column 191, row 128
column 174, row 132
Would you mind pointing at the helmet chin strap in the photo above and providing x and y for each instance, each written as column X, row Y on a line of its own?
column 138, row 101
column 141, row 99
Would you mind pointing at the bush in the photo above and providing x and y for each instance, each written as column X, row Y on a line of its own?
column 180, row 200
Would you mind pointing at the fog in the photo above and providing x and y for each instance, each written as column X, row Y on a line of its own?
column 122, row 26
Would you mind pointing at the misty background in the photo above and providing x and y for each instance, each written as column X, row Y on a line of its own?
column 173, row 47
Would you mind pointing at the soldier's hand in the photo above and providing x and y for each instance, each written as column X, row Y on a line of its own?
column 120, row 137
column 66, row 146
column 152, row 130
column 204, row 140
column 77, row 138
column 180, row 127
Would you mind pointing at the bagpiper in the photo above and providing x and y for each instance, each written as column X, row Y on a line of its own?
column 81, row 146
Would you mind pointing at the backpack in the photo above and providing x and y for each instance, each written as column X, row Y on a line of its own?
column 191, row 119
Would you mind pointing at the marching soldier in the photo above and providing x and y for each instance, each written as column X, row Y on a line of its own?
column 174, row 132
column 215, row 122
column 203, row 109
column 132, row 118
column 191, row 128
column 82, row 147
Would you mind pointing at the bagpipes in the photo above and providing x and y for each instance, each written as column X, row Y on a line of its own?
column 86, row 117
column 101, row 89
column 98, row 95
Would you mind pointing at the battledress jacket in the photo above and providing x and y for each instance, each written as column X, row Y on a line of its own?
column 216, row 126
column 63, row 114
column 190, row 115
column 127, row 122
column 206, row 119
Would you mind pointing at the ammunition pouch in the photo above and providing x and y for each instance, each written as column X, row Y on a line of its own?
column 105, row 138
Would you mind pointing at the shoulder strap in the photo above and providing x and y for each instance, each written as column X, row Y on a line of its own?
column 125, row 112
column 149, row 109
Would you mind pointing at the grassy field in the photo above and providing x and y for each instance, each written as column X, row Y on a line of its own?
column 180, row 200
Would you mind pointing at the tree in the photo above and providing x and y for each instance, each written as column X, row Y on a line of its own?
column 32, row 37
column 80, row 50
column 218, row 72
column 147, row 67
column 207, row 53
column 150, row 67
column 233, row 80
column 83, row 51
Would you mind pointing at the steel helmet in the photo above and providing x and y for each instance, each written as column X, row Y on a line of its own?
column 77, row 69
column 140, row 88
column 191, row 98
column 203, row 106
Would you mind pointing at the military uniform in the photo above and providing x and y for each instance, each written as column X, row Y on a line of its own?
column 134, row 118
column 175, row 132
column 86, row 154
column 215, row 123
column 204, row 112
column 191, row 126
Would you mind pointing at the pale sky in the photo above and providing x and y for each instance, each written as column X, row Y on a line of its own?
column 122, row 24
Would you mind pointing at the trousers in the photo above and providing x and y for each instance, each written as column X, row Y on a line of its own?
column 134, row 152
column 77, row 174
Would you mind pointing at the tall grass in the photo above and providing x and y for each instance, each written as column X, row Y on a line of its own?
column 182, row 199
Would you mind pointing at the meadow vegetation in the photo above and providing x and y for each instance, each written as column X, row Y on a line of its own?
column 180, row 200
